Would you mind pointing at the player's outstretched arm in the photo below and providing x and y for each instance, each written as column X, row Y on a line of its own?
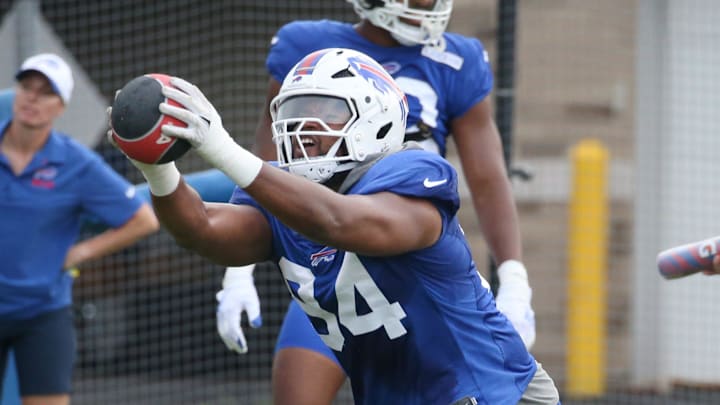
column 481, row 155
column 210, row 229
column 225, row 233
column 378, row 224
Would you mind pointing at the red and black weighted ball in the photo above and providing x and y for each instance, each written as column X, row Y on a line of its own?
column 136, row 121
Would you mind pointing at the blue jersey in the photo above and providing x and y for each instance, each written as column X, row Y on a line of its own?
column 416, row 328
column 42, row 209
column 440, row 85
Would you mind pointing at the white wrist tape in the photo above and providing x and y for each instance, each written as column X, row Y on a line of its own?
column 237, row 276
column 162, row 179
column 512, row 271
column 232, row 159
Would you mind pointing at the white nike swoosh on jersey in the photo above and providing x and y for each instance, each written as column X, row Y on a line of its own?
column 430, row 184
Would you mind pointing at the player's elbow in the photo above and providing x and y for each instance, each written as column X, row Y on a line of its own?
column 196, row 245
column 362, row 236
column 187, row 237
column 331, row 227
column 330, row 231
column 188, row 243
column 204, row 243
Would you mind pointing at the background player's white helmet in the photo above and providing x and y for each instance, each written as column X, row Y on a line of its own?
column 396, row 16
column 338, row 93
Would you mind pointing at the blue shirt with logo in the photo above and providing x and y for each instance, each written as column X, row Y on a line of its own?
column 42, row 211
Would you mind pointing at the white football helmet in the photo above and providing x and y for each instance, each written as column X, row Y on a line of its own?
column 397, row 17
column 338, row 93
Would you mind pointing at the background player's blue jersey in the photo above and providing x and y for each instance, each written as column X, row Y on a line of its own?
column 441, row 84
column 416, row 328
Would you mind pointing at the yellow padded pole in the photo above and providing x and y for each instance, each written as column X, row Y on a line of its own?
column 587, row 250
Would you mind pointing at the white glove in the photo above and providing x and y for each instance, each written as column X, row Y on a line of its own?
column 513, row 299
column 162, row 179
column 206, row 133
column 238, row 295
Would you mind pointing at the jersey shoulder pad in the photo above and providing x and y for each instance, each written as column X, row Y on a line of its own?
column 463, row 46
column 416, row 173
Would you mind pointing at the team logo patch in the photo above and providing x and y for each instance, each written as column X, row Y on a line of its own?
column 326, row 255
column 44, row 178
column 391, row 67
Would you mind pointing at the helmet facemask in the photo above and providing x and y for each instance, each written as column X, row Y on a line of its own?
column 306, row 122
column 408, row 24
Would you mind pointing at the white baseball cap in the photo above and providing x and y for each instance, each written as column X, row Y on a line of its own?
column 54, row 69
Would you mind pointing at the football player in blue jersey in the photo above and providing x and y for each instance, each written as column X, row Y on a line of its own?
column 365, row 232
column 447, row 79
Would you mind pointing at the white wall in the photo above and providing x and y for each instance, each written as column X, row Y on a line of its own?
column 676, row 327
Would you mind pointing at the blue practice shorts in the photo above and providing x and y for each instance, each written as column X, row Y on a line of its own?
column 44, row 348
column 297, row 331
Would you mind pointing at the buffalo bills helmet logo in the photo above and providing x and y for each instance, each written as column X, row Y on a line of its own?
column 375, row 74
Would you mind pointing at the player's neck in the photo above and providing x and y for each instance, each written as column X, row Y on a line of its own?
column 375, row 34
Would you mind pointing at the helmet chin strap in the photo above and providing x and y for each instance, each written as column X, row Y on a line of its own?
column 323, row 173
column 343, row 167
column 402, row 40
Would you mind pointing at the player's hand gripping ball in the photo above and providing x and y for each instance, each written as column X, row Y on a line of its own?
column 136, row 121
